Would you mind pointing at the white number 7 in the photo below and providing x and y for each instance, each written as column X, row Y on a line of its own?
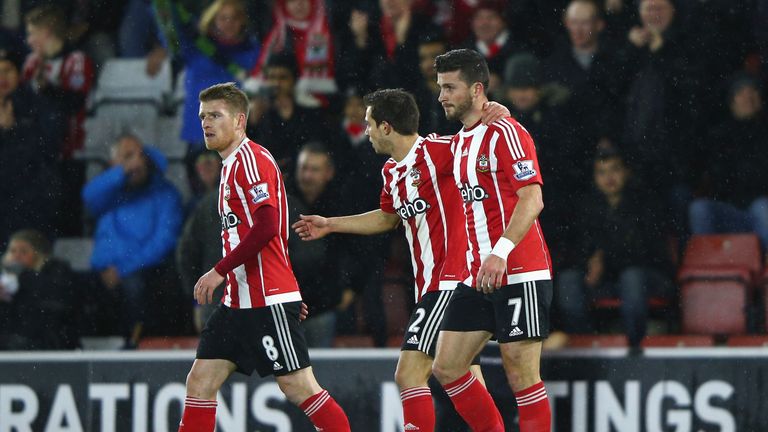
column 517, row 303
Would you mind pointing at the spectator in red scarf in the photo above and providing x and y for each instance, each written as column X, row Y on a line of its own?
column 492, row 38
column 301, row 27
column 453, row 16
column 382, row 50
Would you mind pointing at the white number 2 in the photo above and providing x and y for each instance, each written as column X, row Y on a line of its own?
column 414, row 328
column 517, row 303
column 269, row 347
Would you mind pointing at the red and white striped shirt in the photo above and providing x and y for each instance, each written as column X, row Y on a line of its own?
column 421, row 190
column 490, row 164
column 250, row 179
column 71, row 72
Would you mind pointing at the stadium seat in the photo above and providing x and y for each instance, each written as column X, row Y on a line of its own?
column 75, row 250
column 395, row 341
column 597, row 341
column 677, row 341
column 714, row 307
column 111, row 121
column 353, row 341
column 748, row 341
column 126, row 80
column 764, row 290
column 177, row 174
column 102, row 343
column 168, row 343
column 615, row 303
column 722, row 256
column 397, row 303
column 167, row 138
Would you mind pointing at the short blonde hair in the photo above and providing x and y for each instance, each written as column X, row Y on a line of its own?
column 50, row 17
column 209, row 14
column 236, row 99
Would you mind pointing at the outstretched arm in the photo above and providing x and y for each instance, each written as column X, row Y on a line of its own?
column 314, row 227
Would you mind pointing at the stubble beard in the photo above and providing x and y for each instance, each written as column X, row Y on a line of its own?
column 460, row 110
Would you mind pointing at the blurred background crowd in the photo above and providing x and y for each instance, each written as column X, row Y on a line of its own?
column 648, row 117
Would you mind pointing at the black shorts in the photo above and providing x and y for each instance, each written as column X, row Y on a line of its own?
column 268, row 339
column 511, row 313
column 424, row 325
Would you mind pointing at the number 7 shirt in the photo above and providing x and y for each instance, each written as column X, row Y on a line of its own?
column 490, row 164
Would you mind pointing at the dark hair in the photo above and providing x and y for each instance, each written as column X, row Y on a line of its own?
column 318, row 148
column 739, row 80
column 606, row 154
column 396, row 107
column 236, row 99
column 471, row 65
column 282, row 59
column 12, row 56
column 35, row 238
column 50, row 17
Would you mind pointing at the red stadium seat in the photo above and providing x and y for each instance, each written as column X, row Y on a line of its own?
column 397, row 299
column 597, row 341
column 395, row 341
column 748, row 341
column 615, row 303
column 764, row 289
column 677, row 341
column 714, row 307
column 723, row 256
column 353, row 342
column 168, row 343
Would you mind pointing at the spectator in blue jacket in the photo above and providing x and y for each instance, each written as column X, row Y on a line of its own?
column 215, row 48
column 139, row 217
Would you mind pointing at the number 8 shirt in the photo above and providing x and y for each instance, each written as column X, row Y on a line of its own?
column 250, row 178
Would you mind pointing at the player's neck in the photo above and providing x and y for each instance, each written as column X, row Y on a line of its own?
column 402, row 145
column 614, row 199
column 475, row 113
column 232, row 146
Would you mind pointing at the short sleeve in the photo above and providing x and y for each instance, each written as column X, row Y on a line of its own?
column 441, row 155
column 516, row 154
column 259, row 183
column 385, row 199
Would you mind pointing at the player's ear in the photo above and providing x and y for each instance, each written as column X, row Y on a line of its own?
column 477, row 89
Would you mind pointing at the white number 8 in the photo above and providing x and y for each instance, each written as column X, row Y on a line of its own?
column 269, row 347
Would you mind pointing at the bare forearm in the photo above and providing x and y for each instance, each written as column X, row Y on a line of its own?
column 372, row 222
column 525, row 213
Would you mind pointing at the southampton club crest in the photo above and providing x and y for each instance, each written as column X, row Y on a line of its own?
column 415, row 177
column 226, row 192
column 482, row 164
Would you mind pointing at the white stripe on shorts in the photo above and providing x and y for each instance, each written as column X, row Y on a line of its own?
column 435, row 319
column 284, row 336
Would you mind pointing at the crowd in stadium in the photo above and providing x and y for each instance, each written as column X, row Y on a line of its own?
column 648, row 119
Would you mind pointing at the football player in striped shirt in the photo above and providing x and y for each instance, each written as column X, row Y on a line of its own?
column 419, row 192
column 508, row 291
column 256, row 327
